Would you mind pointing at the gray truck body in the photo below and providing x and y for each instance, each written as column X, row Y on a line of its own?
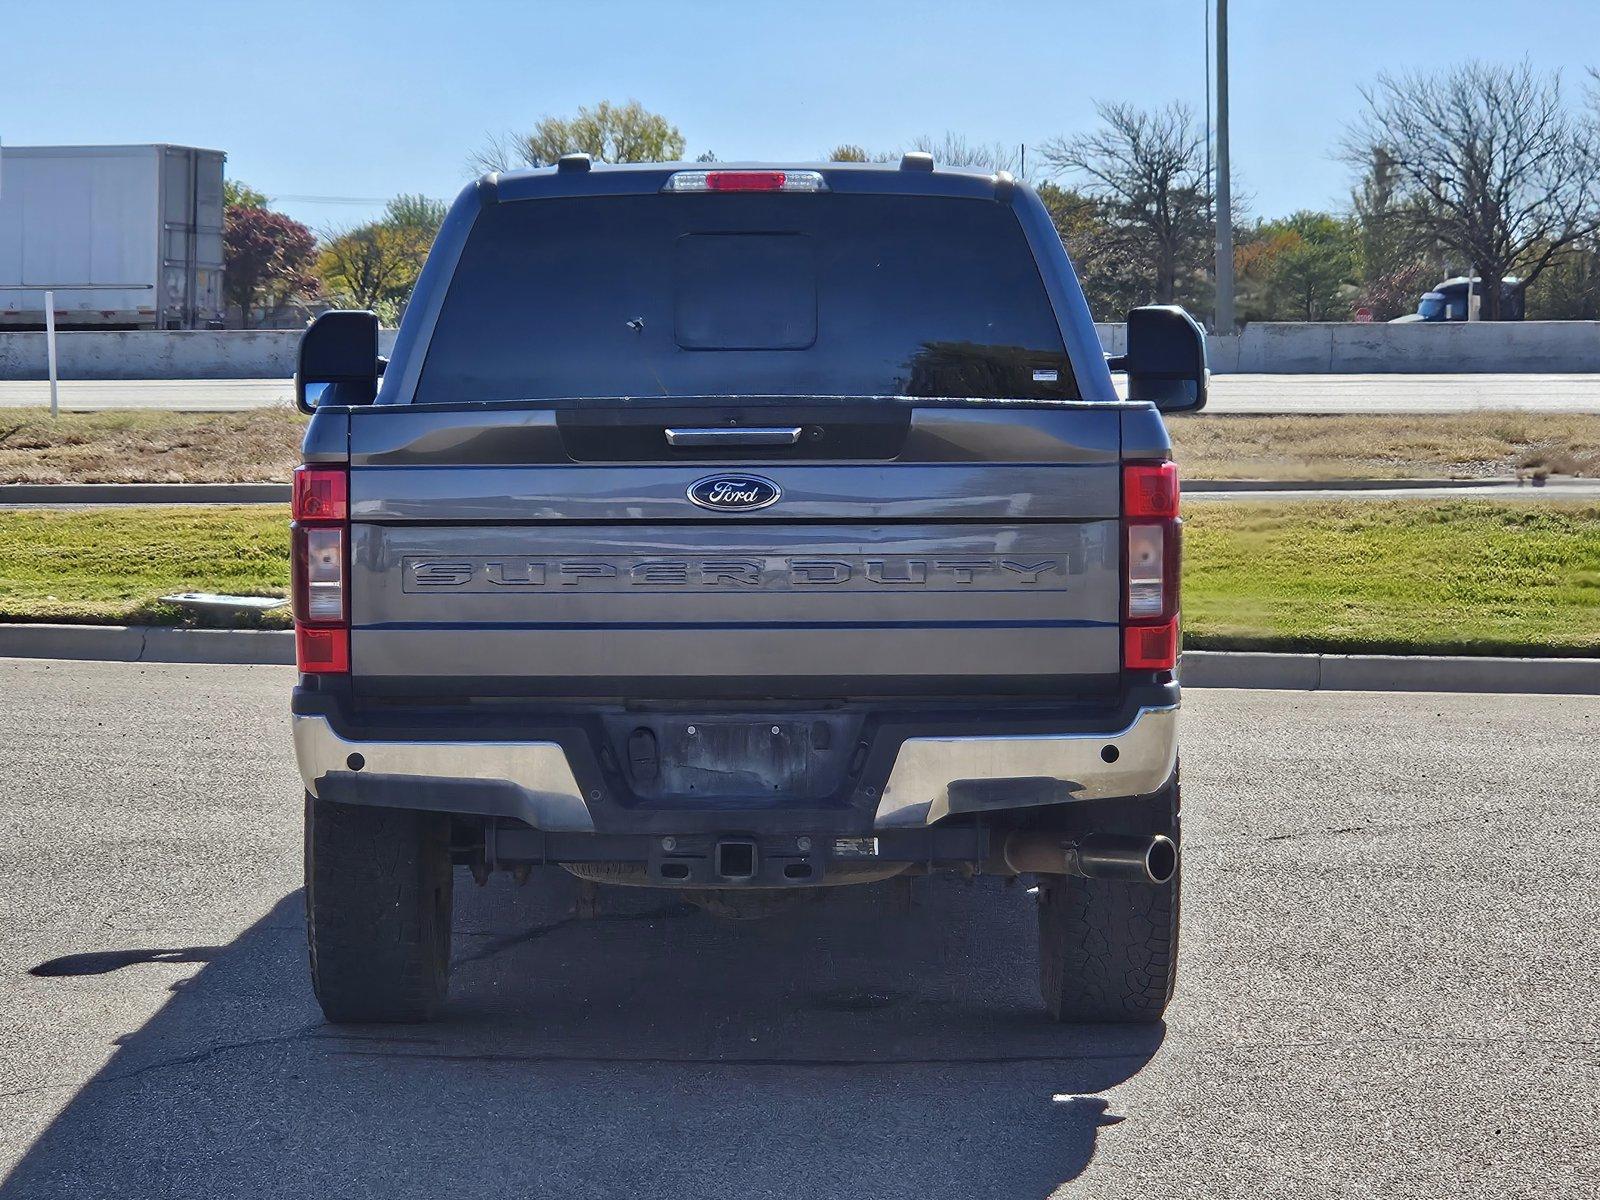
column 916, row 643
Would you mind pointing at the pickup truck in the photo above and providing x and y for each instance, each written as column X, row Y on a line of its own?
column 740, row 531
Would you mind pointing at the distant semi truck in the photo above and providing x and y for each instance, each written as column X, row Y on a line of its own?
column 127, row 237
column 1455, row 298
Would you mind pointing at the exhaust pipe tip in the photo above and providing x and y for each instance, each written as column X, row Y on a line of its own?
column 1161, row 860
column 1126, row 858
column 1148, row 859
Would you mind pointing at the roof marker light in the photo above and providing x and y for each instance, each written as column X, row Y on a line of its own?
column 745, row 181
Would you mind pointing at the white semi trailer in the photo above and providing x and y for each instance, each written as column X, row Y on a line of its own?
column 124, row 237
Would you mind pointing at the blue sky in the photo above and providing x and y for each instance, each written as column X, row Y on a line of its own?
column 356, row 98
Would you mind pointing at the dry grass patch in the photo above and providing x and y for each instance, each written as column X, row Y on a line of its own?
column 259, row 445
column 1356, row 446
column 262, row 445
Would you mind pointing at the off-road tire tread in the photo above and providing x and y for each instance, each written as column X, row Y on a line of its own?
column 378, row 907
column 1108, row 951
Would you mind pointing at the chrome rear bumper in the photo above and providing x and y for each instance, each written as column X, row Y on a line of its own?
column 932, row 778
column 549, row 797
column 935, row 777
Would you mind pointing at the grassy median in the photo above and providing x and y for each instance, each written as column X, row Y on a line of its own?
column 1466, row 577
column 1471, row 577
column 261, row 445
column 110, row 565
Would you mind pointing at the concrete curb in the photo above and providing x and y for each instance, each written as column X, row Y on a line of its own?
column 1338, row 485
column 148, row 643
column 1390, row 673
column 1201, row 668
column 278, row 493
column 144, row 493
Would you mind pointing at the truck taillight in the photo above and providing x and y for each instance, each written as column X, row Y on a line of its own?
column 319, row 540
column 321, row 494
column 1152, row 543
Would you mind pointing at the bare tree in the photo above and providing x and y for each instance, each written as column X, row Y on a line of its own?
column 954, row 150
column 1146, row 169
column 1490, row 163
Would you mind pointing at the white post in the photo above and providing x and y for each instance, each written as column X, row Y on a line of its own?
column 50, row 349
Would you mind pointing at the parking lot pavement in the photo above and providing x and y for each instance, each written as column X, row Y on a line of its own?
column 1387, row 988
column 1229, row 393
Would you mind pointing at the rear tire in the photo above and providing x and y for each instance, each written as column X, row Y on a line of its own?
column 378, row 907
column 1108, row 951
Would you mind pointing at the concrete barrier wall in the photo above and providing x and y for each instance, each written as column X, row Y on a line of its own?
column 1510, row 347
column 1418, row 348
column 149, row 354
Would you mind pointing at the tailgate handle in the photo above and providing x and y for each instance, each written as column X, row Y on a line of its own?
column 720, row 435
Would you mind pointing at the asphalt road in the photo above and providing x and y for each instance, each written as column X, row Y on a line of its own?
column 1229, row 393
column 1388, row 986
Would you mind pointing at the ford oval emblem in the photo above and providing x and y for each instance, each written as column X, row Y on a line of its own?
column 734, row 493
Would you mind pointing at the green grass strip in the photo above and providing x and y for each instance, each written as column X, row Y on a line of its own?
column 1465, row 577
column 110, row 564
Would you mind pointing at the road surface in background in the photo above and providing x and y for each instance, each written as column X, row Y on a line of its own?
column 1387, row 986
column 1229, row 393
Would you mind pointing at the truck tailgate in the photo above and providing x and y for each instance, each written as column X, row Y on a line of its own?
column 952, row 549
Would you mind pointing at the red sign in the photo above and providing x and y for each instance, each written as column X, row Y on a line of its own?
column 1364, row 315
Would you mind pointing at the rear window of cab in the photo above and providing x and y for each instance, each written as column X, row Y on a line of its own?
column 752, row 294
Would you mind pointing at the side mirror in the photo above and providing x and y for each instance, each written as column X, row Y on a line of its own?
column 1166, row 358
column 339, row 361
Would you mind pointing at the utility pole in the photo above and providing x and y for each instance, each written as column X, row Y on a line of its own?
column 1205, row 25
column 1224, row 199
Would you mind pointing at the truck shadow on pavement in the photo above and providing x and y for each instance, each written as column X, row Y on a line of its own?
column 651, row 1050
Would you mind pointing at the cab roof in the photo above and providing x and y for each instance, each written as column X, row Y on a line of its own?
column 575, row 175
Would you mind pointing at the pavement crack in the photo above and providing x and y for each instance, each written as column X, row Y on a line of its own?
column 167, row 1064
column 499, row 945
column 1344, row 830
column 311, row 1031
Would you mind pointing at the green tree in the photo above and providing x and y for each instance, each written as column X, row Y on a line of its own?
column 1570, row 289
column 1300, row 268
column 375, row 266
column 847, row 152
column 612, row 133
column 1109, row 277
column 422, row 214
column 238, row 194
